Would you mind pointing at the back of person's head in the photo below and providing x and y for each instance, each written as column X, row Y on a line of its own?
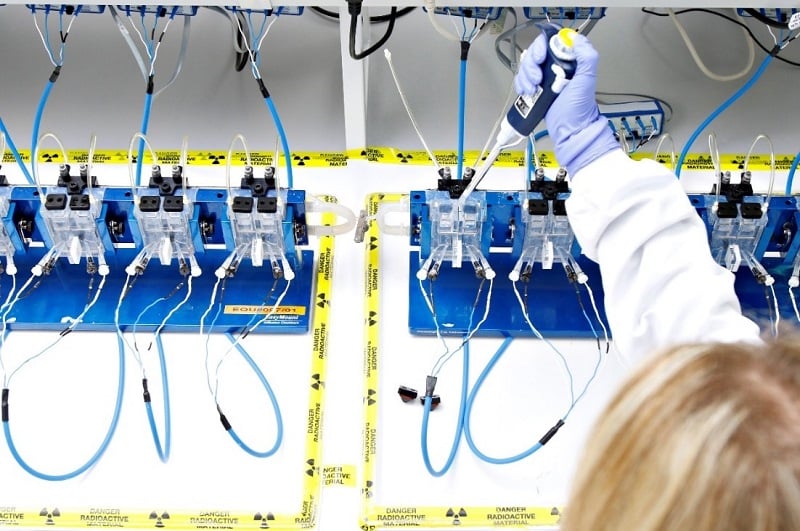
column 702, row 437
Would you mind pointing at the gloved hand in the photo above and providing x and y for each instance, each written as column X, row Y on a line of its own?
column 579, row 132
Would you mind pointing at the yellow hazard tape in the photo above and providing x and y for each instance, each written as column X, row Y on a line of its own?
column 374, row 516
column 342, row 475
column 163, row 518
column 385, row 155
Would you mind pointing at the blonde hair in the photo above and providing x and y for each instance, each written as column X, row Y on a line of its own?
column 703, row 437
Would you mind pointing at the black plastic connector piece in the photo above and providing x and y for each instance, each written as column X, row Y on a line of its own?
column 150, row 85
column 173, row 203
column 549, row 189
column 242, row 205
column 538, row 207
column 54, row 75
column 149, row 203
column 551, row 432
column 354, row 7
column 267, row 205
column 259, row 186
column 223, row 419
column 145, row 391
column 75, row 184
column 430, row 385
column 454, row 187
column 262, row 88
column 726, row 210
column 464, row 50
column 435, row 401
column 5, row 405
column 559, row 207
column 752, row 211
column 79, row 202
column 406, row 393
column 167, row 186
column 734, row 193
column 55, row 202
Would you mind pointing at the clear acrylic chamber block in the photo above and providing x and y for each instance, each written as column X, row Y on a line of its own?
column 455, row 234
column 71, row 222
column 736, row 227
column 257, row 225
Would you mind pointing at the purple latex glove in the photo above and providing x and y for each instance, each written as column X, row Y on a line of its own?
column 579, row 132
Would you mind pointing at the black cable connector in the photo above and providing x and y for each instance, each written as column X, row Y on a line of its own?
column 464, row 50
column 223, row 419
column 55, row 74
column 430, row 385
column 551, row 432
column 150, row 84
column 146, row 393
column 407, row 394
column 263, row 88
column 5, row 405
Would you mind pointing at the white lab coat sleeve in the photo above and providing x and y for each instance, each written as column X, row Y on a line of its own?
column 662, row 287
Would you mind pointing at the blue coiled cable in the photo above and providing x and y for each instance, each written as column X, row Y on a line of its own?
column 37, row 121
column 273, row 399
column 790, row 178
column 148, row 104
column 163, row 451
column 103, row 446
column 284, row 141
column 719, row 110
column 459, row 424
column 15, row 152
column 462, row 103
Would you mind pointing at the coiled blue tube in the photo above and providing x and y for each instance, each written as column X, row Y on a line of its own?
column 272, row 398
column 719, row 110
column 103, row 446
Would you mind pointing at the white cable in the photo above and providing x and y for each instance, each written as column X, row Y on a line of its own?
column 776, row 324
column 131, row 171
column 35, row 161
column 794, row 303
column 264, row 36
column 208, row 335
column 63, row 333
column 771, row 166
column 436, row 325
column 661, row 139
column 546, row 342
column 128, row 40
column 430, row 6
column 210, row 305
column 471, row 333
column 388, row 55
column 187, row 28
column 3, row 331
column 751, row 53
column 158, row 45
column 341, row 211
column 44, row 42
column 118, row 327
column 597, row 314
column 496, row 126
column 176, row 307
column 272, row 310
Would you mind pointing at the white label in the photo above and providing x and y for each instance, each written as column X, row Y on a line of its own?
column 794, row 21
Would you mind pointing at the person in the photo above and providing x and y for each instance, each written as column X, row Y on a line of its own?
column 705, row 435
column 633, row 218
